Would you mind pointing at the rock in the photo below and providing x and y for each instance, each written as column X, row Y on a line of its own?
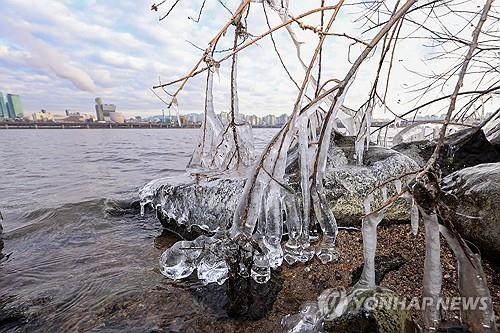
column 475, row 192
column 240, row 298
column 347, row 184
column 493, row 135
column 11, row 318
column 184, row 204
column 249, row 300
column 210, row 205
column 369, row 317
column 463, row 149
column 383, row 265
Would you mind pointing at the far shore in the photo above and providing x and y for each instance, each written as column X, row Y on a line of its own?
column 96, row 125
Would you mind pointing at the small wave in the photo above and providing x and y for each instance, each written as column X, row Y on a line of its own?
column 57, row 217
column 115, row 159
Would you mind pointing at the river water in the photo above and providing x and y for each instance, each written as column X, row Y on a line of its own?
column 77, row 255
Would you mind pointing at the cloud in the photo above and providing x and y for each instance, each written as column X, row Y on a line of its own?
column 39, row 54
column 117, row 49
column 44, row 56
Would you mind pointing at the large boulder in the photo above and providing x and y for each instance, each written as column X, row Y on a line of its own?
column 366, row 313
column 461, row 150
column 474, row 194
column 347, row 184
column 208, row 206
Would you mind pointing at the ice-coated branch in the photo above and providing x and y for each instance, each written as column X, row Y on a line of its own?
column 223, row 147
column 209, row 50
column 369, row 232
column 460, row 81
column 432, row 270
column 196, row 70
column 211, row 128
column 472, row 285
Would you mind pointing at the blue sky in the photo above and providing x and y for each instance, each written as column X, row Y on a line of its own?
column 61, row 54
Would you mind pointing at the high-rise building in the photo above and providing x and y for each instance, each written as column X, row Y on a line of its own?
column 42, row 116
column 14, row 106
column 103, row 111
column 3, row 111
column 281, row 120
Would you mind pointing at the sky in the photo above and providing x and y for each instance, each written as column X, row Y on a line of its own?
column 61, row 54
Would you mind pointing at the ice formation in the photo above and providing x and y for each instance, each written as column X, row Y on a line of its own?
column 424, row 131
column 471, row 285
column 223, row 147
column 432, row 269
column 369, row 232
column 414, row 216
column 268, row 202
column 258, row 218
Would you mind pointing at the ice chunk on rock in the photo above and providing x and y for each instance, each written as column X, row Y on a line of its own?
column 212, row 269
column 180, row 260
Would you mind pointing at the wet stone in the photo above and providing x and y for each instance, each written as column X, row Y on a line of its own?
column 463, row 149
column 383, row 265
column 370, row 319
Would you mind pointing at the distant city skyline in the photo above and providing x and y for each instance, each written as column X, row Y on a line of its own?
column 11, row 107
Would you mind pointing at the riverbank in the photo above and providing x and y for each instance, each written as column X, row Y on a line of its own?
column 291, row 287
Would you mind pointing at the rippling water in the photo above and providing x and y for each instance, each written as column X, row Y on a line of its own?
column 77, row 256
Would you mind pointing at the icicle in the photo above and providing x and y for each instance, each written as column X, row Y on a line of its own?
column 274, row 227
column 379, row 139
column 368, row 119
column 369, row 231
column 143, row 204
column 384, row 193
column 348, row 121
column 472, row 286
column 261, row 269
column 432, row 270
column 398, row 185
column 294, row 227
column 250, row 214
column 175, row 104
column 210, row 129
column 305, row 173
column 363, row 137
column 359, row 148
column 326, row 249
column 414, row 217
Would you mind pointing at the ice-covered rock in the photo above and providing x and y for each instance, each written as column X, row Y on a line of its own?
column 463, row 149
column 363, row 314
column 353, row 310
column 474, row 194
column 209, row 205
column 182, row 205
